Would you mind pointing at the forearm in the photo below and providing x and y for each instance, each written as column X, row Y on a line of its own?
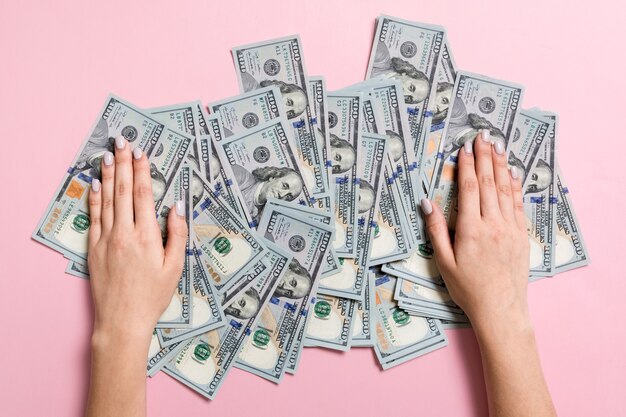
column 513, row 376
column 118, row 375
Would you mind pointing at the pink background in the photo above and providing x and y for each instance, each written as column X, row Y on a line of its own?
column 59, row 60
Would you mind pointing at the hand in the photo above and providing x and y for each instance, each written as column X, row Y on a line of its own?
column 486, row 269
column 133, row 276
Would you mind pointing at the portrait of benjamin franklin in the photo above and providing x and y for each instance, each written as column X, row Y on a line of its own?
column 197, row 187
column 396, row 145
column 295, row 283
column 415, row 84
column 539, row 178
column 442, row 102
column 245, row 306
column 342, row 154
column 464, row 127
column 294, row 97
column 366, row 196
column 266, row 182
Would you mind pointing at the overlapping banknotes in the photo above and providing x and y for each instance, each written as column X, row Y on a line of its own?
column 303, row 203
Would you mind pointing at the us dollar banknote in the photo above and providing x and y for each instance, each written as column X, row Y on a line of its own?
column 345, row 133
column 362, row 329
column 280, row 62
column 331, row 266
column 540, row 201
column 184, row 118
column 319, row 121
column 227, row 247
column 262, row 163
column 158, row 355
column 427, row 302
column 399, row 336
column 77, row 269
column 277, row 339
column 439, row 106
column 350, row 281
column 408, row 52
column 205, row 307
column 570, row 251
column 64, row 226
column 246, row 111
column 205, row 360
column 331, row 322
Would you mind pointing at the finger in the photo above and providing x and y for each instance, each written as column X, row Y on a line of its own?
column 175, row 247
column 95, row 212
column 123, row 183
column 142, row 191
column 484, row 172
column 517, row 199
column 108, row 184
column 469, row 198
column 439, row 236
column 503, row 180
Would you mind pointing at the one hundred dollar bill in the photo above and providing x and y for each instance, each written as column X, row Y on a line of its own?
column 226, row 246
column 319, row 120
column 205, row 360
column 446, row 76
column 362, row 329
column 331, row 266
column 158, row 355
column 419, row 298
column 409, row 52
column 540, row 200
column 279, row 332
column 206, row 313
column 399, row 336
column 345, row 132
column 183, row 117
column 570, row 251
column 350, row 282
column 331, row 322
column 246, row 111
column 77, row 269
column 65, row 224
column 280, row 62
column 262, row 163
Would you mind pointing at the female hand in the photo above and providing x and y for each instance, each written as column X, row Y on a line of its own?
column 486, row 268
column 133, row 276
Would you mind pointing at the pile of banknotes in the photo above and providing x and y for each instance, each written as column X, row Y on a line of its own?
column 303, row 203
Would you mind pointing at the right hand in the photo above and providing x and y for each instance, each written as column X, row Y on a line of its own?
column 486, row 268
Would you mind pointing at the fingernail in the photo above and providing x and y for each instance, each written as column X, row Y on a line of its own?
column 468, row 147
column 514, row 173
column 137, row 153
column 499, row 145
column 180, row 208
column 120, row 141
column 108, row 158
column 484, row 134
column 427, row 207
column 95, row 185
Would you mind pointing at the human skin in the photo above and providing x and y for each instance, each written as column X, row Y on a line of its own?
column 132, row 279
column 486, row 272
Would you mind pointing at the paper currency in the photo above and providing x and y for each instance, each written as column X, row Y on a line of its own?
column 280, row 62
column 399, row 336
column 205, row 360
column 330, row 325
column 281, row 325
column 362, row 329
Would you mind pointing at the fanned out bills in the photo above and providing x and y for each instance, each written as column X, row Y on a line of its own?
column 302, row 203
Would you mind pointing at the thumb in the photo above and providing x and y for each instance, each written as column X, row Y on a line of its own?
column 177, row 230
column 438, row 231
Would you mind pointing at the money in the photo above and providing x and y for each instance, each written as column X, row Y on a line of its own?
column 408, row 52
column 159, row 356
column 363, row 323
column 399, row 336
column 330, row 325
column 349, row 283
column 205, row 360
column 282, row 322
column 77, row 269
column 540, row 200
column 319, row 120
column 345, row 133
column 263, row 164
column 280, row 62
column 427, row 302
column 227, row 248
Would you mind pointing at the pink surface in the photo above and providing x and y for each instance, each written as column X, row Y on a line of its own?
column 61, row 59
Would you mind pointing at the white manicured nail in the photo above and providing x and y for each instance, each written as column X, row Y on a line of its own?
column 120, row 142
column 137, row 153
column 468, row 147
column 108, row 158
column 499, row 145
column 95, row 185
column 485, row 135
column 514, row 173
column 427, row 207
column 180, row 208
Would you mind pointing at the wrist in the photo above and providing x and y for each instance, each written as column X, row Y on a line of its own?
column 107, row 337
column 504, row 326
